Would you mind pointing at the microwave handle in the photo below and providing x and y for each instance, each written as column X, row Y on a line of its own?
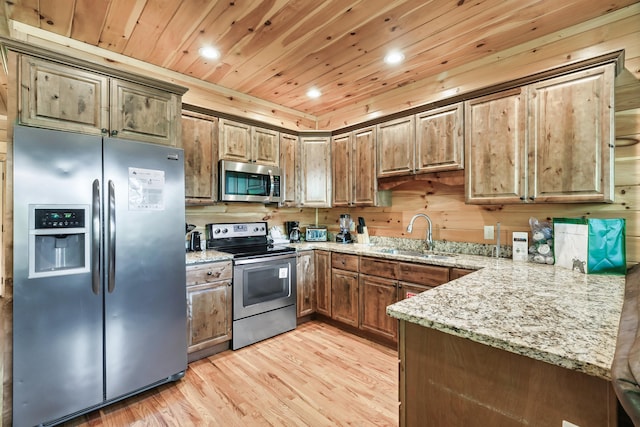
column 272, row 185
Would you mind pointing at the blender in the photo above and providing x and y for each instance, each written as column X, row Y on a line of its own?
column 344, row 236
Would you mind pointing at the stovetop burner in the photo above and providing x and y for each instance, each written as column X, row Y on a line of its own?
column 243, row 240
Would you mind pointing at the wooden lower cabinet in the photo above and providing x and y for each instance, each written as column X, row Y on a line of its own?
column 322, row 269
column 209, row 306
column 408, row 290
column 457, row 273
column 376, row 293
column 305, row 277
column 447, row 380
column 344, row 296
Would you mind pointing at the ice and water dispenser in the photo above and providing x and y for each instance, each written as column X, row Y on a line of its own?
column 58, row 240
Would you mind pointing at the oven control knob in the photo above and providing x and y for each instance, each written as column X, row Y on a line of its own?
column 256, row 229
column 224, row 231
column 217, row 231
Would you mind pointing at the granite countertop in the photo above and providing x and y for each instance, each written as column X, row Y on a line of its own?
column 544, row 312
column 548, row 313
column 209, row 255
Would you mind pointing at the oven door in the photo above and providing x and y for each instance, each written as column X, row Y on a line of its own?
column 263, row 284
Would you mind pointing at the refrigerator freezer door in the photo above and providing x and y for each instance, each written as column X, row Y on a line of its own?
column 57, row 336
column 145, row 302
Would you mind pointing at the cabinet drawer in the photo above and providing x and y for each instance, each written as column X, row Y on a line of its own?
column 209, row 272
column 379, row 267
column 344, row 262
column 428, row 275
column 456, row 273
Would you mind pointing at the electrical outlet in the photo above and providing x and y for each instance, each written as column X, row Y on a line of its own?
column 488, row 232
column 566, row 423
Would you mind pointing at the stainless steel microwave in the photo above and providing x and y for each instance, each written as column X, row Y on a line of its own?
column 249, row 182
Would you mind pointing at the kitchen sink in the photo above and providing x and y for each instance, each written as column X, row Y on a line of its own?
column 417, row 254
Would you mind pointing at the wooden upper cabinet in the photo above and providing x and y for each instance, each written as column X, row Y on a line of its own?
column 235, row 141
column 60, row 96
column 571, row 146
column 315, row 171
column 241, row 142
column 200, row 144
column 265, row 144
column 364, row 182
column 143, row 113
column 354, row 168
column 440, row 139
column 396, row 147
column 550, row 141
column 341, row 153
column 289, row 165
column 495, row 128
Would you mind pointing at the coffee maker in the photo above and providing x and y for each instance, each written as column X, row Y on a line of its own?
column 293, row 231
column 344, row 236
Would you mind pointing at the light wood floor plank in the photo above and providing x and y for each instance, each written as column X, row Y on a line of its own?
column 316, row 375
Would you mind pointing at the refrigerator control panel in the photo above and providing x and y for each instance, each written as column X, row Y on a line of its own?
column 59, row 218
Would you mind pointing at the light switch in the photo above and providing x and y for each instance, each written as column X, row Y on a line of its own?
column 488, row 232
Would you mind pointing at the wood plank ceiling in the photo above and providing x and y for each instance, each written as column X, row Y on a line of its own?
column 278, row 49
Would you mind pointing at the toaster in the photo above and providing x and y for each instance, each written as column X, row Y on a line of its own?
column 316, row 234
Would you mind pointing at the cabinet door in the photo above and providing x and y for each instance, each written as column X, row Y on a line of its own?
column 265, row 146
column 396, row 147
column 209, row 317
column 439, row 139
column 315, row 172
column 571, row 137
column 60, row 97
column 344, row 296
column 305, row 276
column 144, row 114
column 323, row 282
column 495, row 131
column 341, row 173
column 235, row 141
column 408, row 290
column 200, row 144
column 364, row 182
column 456, row 273
column 376, row 293
column 289, row 167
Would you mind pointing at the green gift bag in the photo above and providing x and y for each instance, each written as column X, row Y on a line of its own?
column 590, row 245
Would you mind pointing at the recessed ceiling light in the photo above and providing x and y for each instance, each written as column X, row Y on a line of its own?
column 209, row 52
column 314, row 93
column 394, row 57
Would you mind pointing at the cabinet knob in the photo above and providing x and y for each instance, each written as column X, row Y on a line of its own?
column 114, row 132
column 104, row 130
column 522, row 198
column 532, row 198
column 209, row 273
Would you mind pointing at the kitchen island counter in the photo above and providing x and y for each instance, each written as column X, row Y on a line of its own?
column 544, row 312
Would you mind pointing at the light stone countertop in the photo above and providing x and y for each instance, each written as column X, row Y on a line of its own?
column 544, row 312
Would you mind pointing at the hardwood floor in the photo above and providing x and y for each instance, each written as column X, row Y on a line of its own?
column 316, row 375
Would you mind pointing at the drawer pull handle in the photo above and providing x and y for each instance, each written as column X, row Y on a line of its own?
column 209, row 273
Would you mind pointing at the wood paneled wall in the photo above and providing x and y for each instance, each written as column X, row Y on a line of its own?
column 453, row 220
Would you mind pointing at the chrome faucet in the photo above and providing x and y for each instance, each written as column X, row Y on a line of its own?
column 429, row 238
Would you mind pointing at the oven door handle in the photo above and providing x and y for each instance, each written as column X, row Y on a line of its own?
column 263, row 258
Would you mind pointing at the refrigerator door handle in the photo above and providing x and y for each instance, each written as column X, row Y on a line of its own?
column 95, row 238
column 112, row 237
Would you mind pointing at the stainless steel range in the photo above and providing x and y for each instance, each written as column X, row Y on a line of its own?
column 264, row 281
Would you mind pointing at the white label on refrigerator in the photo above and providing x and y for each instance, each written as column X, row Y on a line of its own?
column 146, row 189
column 284, row 273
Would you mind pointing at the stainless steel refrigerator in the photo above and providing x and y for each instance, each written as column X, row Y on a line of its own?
column 99, row 303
